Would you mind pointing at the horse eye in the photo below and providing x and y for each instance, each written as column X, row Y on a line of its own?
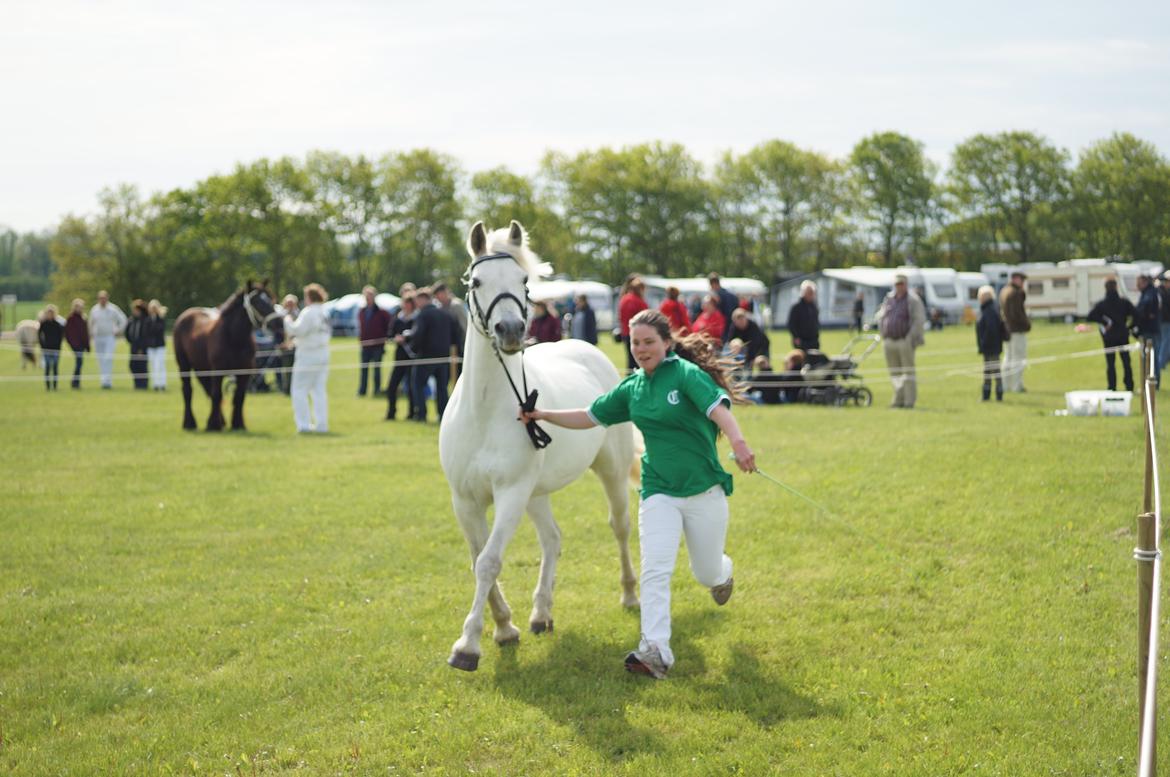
column 475, row 283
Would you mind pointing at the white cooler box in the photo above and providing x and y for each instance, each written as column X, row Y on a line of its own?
column 1112, row 403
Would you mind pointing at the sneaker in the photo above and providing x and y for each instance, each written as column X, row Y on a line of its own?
column 721, row 593
column 647, row 662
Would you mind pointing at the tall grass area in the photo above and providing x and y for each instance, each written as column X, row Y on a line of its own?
column 263, row 602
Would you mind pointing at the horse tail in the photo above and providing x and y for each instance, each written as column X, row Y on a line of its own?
column 636, row 464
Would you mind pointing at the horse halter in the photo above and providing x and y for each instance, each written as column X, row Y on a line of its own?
column 258, row 321
column 538, row 436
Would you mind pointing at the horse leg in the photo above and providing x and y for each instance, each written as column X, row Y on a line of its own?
column 238, row 405
column 612, row 468
column 185, row 379
column 509, row 509
column 473, row 520
column 214, row 387
column 540, row 511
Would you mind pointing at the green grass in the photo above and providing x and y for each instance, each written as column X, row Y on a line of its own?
column 264, row 603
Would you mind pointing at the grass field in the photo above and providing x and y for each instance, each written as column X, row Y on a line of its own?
column 263, row 603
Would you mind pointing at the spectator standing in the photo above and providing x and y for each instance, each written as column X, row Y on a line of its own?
column 400, row 373
column 990, row 335
column 287, row 345
column 755, row 342
column 632, row 303
column 77, row 335
column 49, row 334
column 583, row 324
column 310, row 373
column 433, row 341
column 1164, row 329
column 458, row 312
column 156, row 344
column 680, row 400
column 859, row 311
column 902, row 323
column 711, row 321
column 1115, row 314
column 1011, row 307
column 725, row 301
column 1149, row 320
column 106, row 322
column 135, row 333
column 546, row 324
column 676, row 312
column 373, row 326
column 804, row 319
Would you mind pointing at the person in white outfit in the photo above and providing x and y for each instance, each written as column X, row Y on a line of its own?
column 106, row 322
column 156, row 344
column 680, row 400
column 310, row 372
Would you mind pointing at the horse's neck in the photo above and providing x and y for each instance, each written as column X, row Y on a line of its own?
column 484, row 378
column 234, row 325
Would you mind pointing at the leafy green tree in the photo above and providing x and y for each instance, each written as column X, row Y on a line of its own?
column 895, row 188
column 353, row 206
column 643, row 208
column 423, row 240
column 497, row 196
column 1015, row 184
column 1122, row 199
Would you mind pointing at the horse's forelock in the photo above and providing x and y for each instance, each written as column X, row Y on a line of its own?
column 499, row 241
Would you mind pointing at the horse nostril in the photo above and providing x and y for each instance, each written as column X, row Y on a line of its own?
column 500, row 328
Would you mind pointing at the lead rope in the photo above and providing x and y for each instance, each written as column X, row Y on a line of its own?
column 540, row 438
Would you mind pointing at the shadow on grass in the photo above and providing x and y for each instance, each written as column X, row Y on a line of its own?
column 582, row 685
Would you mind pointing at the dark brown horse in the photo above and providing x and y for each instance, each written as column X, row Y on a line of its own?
column 213, row 342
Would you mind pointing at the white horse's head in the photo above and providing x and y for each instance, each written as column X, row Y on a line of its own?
column 497, row 283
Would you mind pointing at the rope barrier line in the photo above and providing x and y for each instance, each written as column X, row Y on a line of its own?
column 949, row 370
column 1146, row 759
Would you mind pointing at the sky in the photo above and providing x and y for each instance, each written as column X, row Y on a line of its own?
column 163, row 94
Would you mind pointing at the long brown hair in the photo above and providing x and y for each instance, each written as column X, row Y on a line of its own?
column 698, row 349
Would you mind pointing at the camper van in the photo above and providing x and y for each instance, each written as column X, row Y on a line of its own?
column 939, row 289
column 564, row 292
column 837, row 290
column 969, row 285
column 1067, row 290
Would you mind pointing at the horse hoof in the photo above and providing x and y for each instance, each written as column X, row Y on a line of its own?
column 509, row 641
column 539, row 627
column 468, row 662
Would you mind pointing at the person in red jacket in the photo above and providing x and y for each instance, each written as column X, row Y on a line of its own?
column 711, row 322
column 373, row 326
column 676, row 312
column 631, row 304
column 546, row 324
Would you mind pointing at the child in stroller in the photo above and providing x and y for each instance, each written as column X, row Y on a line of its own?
column 833, row 380
column 775, row 388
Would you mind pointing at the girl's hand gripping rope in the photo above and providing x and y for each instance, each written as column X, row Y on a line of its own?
column 743, row 456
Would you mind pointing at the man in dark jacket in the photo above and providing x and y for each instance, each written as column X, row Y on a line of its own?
column 400, row 375
column 373, row 326
column 432, row 339
column 1015, row 317
column 804, row 319
column 728, row 302
column 1114, row 314
column 755, row 342
column 990, row 335
column 1148, row 320
column 583, row 324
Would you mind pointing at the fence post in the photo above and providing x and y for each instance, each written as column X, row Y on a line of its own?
column 1145, row 574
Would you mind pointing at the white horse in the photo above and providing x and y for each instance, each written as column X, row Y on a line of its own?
column 487, row 454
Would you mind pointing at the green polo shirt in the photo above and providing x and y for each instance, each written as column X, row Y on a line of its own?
column 671, row 408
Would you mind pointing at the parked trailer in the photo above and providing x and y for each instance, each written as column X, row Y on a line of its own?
column 1069, row 289
column 689, row 288
column 969, row 285
column 939, row 288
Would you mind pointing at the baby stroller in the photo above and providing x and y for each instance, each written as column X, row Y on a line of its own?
column 833, row 379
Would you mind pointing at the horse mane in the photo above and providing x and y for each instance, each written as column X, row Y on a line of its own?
column 499, row 241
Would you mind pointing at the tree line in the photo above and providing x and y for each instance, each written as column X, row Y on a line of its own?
column 653, row 208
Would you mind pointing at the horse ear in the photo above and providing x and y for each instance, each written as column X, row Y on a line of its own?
column 516, row 233
column 264, row 284
column 248, row 285
column 477, row 240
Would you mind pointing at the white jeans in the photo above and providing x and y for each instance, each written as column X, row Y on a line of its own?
column 157, row 357
column 309, row 374
column 103, row 346
column 1015, row 358
column 662, row 520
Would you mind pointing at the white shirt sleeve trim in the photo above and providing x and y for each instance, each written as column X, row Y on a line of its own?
column 722, row 397
column 593, row 418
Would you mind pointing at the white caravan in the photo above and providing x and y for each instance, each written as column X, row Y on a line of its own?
column 837, row 290
column 564, row 292
column 690, row 288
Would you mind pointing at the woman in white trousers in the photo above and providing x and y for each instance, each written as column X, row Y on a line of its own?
column 680, row 399
column 310, row 372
